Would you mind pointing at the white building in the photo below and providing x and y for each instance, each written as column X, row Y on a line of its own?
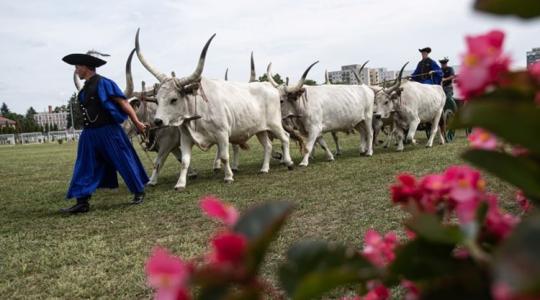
column 49, row 119
column 346, row 75
column 533, row 56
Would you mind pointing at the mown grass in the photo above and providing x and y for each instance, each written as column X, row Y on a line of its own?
column 44, row 254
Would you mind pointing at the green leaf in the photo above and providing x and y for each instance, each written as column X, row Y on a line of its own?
column 522, row 172
column 429, row 227
column 421, row 259
column 517, row 262
column 260, row 225
column 522, row 8
column 517, row 122
column 313, row 268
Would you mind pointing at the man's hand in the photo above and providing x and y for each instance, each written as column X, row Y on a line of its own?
column 140, row 126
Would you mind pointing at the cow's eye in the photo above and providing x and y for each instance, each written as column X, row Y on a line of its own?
column 386, row 102
column 173, row 100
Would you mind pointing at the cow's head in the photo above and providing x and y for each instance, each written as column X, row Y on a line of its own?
column 175, row 96
column 387, row 99
column 289, row 96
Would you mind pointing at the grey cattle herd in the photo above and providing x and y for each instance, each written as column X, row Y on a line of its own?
column 198, row 111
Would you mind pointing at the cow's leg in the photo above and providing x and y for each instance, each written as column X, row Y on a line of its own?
column 412, row 130
column 217, row 162
column 377, row 125
column 283, row 136
column 325, row 147
column 159, row 161
column 236, row 157
column 336, row 141
column 223, row 150
column 434, row 129
column 192, row 173
column 312, row 138
column 368, row 137
column 399, row 134
column 362, row 131
column 267, row 146
column 185, row 146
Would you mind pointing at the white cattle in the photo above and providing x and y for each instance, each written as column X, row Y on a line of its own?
column 328, row 108
column 412, row 103
column 216, row 112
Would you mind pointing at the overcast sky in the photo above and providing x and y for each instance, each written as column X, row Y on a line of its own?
column 35, row 35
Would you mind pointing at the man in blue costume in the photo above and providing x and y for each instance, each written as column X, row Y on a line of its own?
column 103, row 146
column 447, row 84
column 427, row 71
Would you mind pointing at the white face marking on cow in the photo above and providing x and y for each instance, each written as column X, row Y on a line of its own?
column 290, row 102
column 385, row 104
column 173, row 106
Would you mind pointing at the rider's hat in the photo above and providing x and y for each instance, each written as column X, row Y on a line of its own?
column 89, row 59
column 427, row 50
column 444, row 60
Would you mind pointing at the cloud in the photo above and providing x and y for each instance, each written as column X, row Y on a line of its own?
column 291, row 34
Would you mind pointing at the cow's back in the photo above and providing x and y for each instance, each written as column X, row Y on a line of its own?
column 423, row 100
column 338, row 107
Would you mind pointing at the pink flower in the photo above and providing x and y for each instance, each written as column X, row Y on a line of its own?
column 229, row 250
column 483, row 63
column 217, row 209
column 523, row 202
column 482, row 139
column 405, row 190
column 377, row 291
column 413, row 293
column 168, row 274
column 434, row 189
column 466, row 191
column 379, row 250
column 498, row 224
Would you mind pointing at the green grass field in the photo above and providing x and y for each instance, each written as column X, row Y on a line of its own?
column 101, row 254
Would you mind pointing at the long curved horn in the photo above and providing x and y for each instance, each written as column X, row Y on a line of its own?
column 358, row 79
column 252, row 76
column 398, row 80
column 200, row 66
column 326, row 78
column 227, row 74
column 77, row 81
column 270, row 77
column 159, row 76
column 129, row 77
column 301, row 81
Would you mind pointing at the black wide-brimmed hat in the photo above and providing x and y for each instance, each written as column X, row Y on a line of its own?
column 427, row 50
column 89, row 59
column 444, row 60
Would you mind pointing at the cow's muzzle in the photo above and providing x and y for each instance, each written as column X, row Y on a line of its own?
column 158, row 122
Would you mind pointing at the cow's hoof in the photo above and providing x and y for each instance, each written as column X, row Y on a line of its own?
column 229, row 181
column 152, row 184
column 235, row 170
column 217, row 170
column 302, row 165
column 193, row 176
column 263, row 172
column 179, row 188
column 429, row 146
column 338, row 153
column 290, row 167
column 329, row 159
column 399, row 150
column 369, row 154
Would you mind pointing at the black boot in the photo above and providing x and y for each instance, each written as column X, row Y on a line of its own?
column 82, row 206
column 138, row 198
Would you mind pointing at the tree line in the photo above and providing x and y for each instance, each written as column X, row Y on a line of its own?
column 27, row 122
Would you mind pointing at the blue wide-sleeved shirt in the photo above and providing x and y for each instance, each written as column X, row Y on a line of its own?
column 107, row 90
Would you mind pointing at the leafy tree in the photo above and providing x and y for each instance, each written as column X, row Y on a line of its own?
column 310, row 82
column 4, row 110
column 77, row 114
column 277, row 78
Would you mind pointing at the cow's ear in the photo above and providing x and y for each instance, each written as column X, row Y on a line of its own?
column 134, row 102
